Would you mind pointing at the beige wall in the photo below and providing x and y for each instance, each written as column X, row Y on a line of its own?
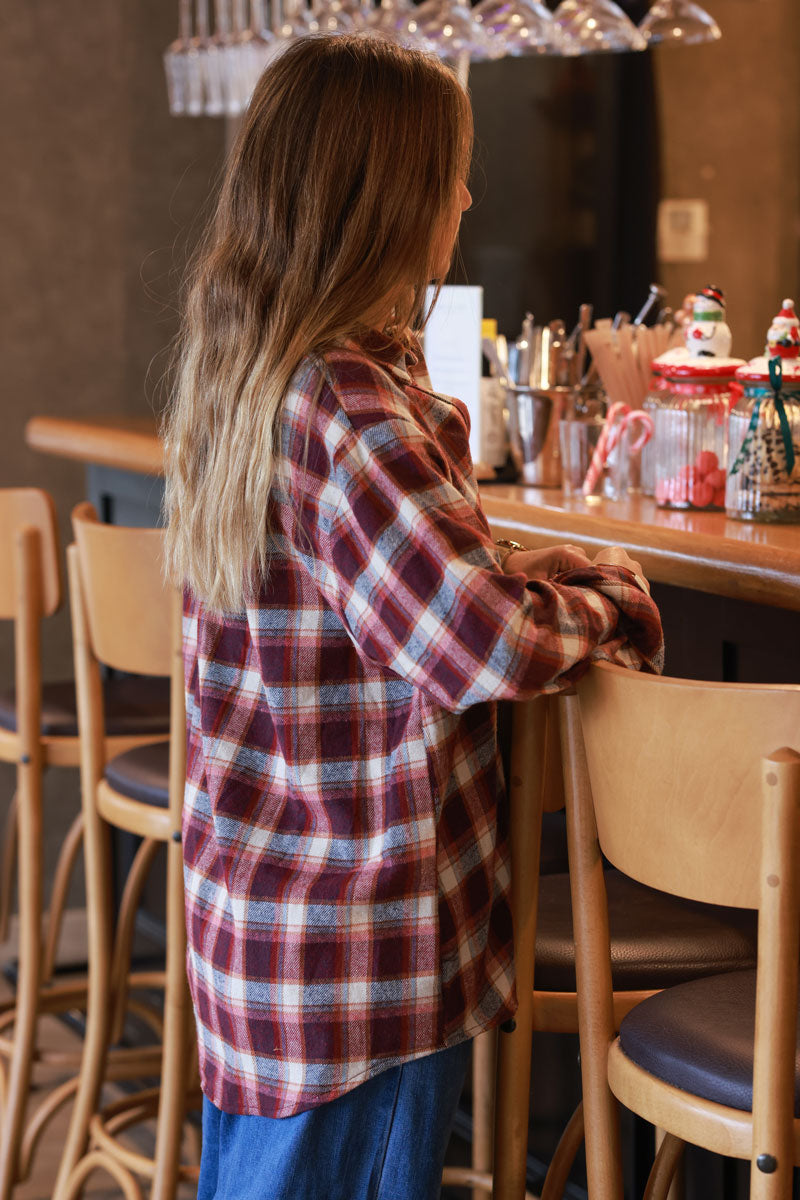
column 730, row 115
column 98, row 183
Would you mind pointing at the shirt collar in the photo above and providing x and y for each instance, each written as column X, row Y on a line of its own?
column 395, row 355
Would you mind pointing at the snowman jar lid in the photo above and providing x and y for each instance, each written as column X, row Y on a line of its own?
column 783, row 342
column 707, row 339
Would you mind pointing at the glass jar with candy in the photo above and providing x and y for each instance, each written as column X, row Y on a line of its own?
column 652, row 401
column 691, row 417
column 764, row 477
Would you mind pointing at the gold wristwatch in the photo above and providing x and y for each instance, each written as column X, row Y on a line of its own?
column 509, row 546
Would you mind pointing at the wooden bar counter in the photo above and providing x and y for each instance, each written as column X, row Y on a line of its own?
column 703, row 551
column 699, row 551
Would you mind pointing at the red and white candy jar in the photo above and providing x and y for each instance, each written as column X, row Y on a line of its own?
column 691, row 432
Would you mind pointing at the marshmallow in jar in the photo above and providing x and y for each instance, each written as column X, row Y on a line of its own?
column 764, row 477
column 691, row 412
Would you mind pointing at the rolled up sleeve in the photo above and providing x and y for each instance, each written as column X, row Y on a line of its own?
column 418, row 586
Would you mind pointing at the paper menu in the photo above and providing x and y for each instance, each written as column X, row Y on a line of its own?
column 452, row 344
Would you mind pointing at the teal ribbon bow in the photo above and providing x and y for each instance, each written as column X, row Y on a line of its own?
column 776, row 379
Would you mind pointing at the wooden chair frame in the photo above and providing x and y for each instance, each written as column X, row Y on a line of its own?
column 31, row 591
column 145, row 637
column 632, row 734
column 502, row 1059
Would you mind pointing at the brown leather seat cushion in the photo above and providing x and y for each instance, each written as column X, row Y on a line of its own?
column 699, row 1038
column 133, row 705
column 656, row 940
column 142, row 774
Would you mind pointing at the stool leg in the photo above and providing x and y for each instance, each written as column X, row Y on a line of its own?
column 126, row 928
column 58, row 897
column 98, row 905
column 484, row 1061
column 676, row 1187
column 561, row 1163
column 8, row 858
column 512, row 1105
column 98, row 1161
column 29, row 872
column 667, row 1161
column 177, row 1032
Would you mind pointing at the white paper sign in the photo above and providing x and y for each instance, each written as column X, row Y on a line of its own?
column 453, row 351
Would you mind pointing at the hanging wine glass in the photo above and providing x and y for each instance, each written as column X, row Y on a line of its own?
column 595, row 26
column 451, row 31
column 518, row 27
column 256, row 46
column 197, row 64
column 297, row 20
column 360, row 12
column 216, row 74
column 236, row 75
column 679, row 22
column 176, row 62
column 397, row 21
column 332, row 16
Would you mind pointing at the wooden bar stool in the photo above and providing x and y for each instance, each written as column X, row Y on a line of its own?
column 690, row 787
column 38, row 729
column 500, row 1077
column 656, row 940
column 126, row 618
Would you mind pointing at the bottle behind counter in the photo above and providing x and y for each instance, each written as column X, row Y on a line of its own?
column 495, row 432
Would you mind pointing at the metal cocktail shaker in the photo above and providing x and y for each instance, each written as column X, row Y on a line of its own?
column 538, row 391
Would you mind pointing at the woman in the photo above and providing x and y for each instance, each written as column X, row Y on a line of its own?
column 348, row 630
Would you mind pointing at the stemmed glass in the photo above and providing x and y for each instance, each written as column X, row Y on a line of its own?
column 679, row 21
column 176, row 62
column 360, row 12
column 255, row 45
column 218, row 98
column 518, row 27
column 397, row 20
column 595, row 26
column 297, row 20
column 334, row 16
column 451, row 32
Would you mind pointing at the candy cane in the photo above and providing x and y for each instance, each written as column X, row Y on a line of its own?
column 601, row 451
column 646, row 431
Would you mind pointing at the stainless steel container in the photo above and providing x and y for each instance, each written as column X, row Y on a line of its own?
column 534, row 434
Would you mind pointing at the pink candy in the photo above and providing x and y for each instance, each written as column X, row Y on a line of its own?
column 706, row 462
column 701, row 485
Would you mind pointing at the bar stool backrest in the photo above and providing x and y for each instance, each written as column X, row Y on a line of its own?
column 676, row 777
column 24, row 511
column 127, row 599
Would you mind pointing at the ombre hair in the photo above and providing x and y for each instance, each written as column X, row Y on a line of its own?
column 331, row 206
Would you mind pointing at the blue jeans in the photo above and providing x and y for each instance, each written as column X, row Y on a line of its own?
column 384, row 1140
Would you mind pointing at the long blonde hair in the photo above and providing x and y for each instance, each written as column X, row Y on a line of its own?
column 331, row 203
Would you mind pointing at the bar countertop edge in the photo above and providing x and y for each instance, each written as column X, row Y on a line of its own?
column 701, row 551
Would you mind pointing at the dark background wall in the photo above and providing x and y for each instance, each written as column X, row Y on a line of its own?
column 571, row 156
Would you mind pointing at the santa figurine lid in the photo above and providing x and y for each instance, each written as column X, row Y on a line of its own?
column 783, row 342
column 783, row 335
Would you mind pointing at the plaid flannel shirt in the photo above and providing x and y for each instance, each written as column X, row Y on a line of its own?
column 346, row 863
